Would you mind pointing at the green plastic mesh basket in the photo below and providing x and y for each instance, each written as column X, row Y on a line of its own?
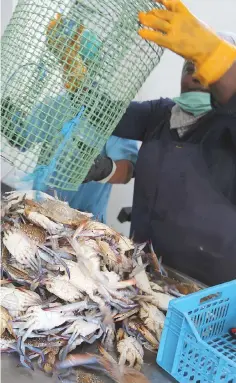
column 67, row 58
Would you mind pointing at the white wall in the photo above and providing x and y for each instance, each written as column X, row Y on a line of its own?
column 164, row 80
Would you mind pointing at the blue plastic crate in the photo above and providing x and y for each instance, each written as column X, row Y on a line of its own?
column 196, row 346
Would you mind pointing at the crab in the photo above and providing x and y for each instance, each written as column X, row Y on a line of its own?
column 18, row 300
column 135, row 327
column 113, row 258
column 81, row 330
column 129, row 349
column 22, row 242
column 116, row 241
column 38, row 319
column 14, row 269
column 87, row 277
column 153, row 318
column 153, row 292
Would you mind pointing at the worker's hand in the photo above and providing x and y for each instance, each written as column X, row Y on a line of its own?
column 177, row 29
column 101, row 171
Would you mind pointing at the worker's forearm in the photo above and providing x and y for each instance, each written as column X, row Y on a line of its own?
column 225, row 87
column 124, row 172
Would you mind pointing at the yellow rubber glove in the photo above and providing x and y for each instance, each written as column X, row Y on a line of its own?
column 177, row 29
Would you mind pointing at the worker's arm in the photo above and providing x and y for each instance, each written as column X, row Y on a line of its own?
column 117, row 164
column 124, row 172
column 141, row 118
column 177, row 29
column 135, row 121
column 125, row 154
column 105, row 170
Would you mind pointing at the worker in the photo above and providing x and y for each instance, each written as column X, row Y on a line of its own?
column 115, row 165
column 185, row 177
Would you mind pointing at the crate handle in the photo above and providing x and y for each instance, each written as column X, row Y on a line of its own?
column 210, row 297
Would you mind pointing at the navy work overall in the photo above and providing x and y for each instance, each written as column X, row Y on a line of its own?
column 185, row 189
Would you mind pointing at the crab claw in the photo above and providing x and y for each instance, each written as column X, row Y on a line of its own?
column 121, row 316
column 126, row 283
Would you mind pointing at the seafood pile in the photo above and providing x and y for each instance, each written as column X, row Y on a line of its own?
column 68, row 279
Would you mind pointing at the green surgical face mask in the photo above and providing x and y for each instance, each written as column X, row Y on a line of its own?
column 196, row 103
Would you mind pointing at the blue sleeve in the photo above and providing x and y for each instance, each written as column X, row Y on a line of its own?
column 141, row 117
column 121, row 149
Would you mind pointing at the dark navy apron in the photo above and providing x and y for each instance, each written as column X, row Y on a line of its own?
column 178, row 205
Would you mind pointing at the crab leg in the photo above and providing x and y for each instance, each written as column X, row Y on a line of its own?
column 78, row 360
column 26, row 362
column 25, row 336
column 138, row 250
column 65, row 350
column 57, row 257
column 24, row 359
column 53, row 331
column 76, row 306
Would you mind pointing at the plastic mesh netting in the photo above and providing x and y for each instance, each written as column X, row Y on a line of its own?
column 69, row 71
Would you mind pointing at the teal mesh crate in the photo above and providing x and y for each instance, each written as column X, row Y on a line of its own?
column 196, row 346
column 62, row 57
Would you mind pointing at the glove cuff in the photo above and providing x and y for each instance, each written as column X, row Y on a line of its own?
column 106, row 179
column 217, row 64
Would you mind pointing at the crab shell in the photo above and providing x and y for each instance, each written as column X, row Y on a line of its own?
column 44, row 222
column 63, row 289
column 82, row 327
column 57, row 211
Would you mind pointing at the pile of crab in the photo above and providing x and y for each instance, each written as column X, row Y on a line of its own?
column 68, row 279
